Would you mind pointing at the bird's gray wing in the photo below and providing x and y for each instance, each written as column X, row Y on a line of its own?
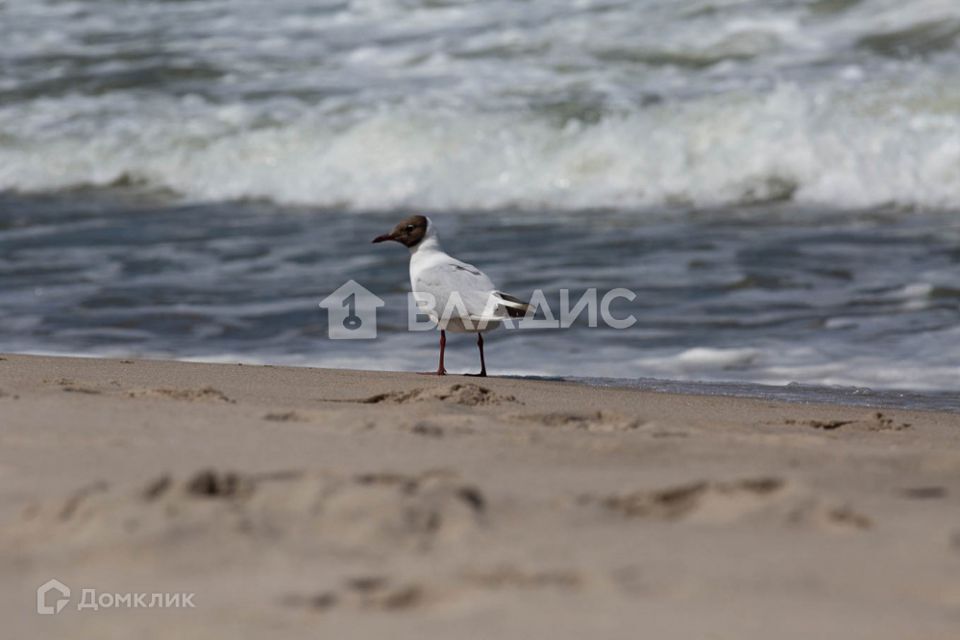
column 472, row 286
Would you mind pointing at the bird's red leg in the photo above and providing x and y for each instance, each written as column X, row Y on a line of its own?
column 443, row 345
column 440, row 370
column 483, row 365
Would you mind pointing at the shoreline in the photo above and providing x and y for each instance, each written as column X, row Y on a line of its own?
column 789, row 393
column 355, row 502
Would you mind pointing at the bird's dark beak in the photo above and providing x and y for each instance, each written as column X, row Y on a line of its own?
column 383, row 238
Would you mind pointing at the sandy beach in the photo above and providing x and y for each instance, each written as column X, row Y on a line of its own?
column 732, row 411
column 306, row 503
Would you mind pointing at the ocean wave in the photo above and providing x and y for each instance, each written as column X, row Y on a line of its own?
column 850, row 147
column 475, row 106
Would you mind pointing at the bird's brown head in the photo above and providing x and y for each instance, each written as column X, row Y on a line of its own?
column 409, row 232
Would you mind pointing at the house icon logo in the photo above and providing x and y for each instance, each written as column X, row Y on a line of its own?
column 52, row 585
column 352, row 312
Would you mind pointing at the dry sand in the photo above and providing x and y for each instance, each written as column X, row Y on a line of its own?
column 305, row 503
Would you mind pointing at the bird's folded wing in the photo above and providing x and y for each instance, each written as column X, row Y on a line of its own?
column 472, row 286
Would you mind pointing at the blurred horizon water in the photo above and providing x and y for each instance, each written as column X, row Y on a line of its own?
column 778, row 181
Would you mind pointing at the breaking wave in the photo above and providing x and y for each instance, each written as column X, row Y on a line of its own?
column 848, row 148
column 456, row 105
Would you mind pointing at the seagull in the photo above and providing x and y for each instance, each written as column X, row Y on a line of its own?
column 456, row 295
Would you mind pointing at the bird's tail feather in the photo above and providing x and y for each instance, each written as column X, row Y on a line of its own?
column 516, row 308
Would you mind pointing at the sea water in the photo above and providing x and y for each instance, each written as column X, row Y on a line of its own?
column 777, row 181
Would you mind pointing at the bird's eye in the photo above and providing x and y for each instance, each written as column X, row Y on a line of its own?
column 409, row 227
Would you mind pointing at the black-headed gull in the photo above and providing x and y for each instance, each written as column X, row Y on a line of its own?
column 456, row 295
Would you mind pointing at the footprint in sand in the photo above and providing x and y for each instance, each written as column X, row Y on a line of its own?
column 466, row 394
column 766, row 498
column 599, row 421
column 924, row 493
column 875, row 421
column 709, row 500
column 449, row 425
column 79, row 389
column 364, row 592
column 322, row 512
column 378, row 592
column 285, row 416
column 73, row 387
column 427, row 429
column 208, row 394
column 72, row 503
column 827, row 517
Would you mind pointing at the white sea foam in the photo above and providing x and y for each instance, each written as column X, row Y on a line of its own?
column 857, row 146
column 410, row 103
